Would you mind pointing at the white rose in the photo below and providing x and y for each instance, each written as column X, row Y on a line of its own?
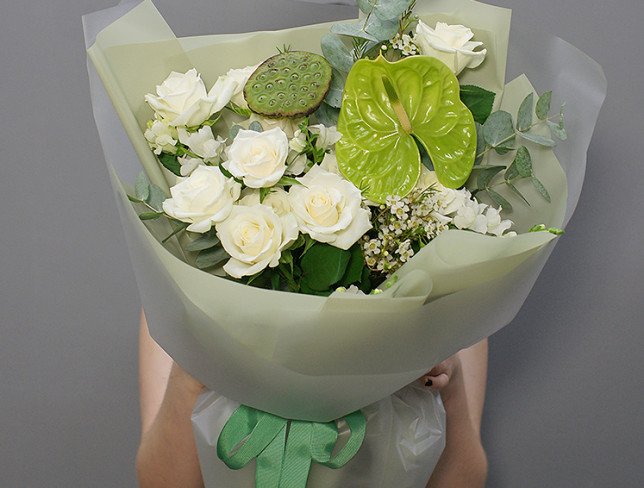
column 181, row 100
column 328, row 208
column 161, row 137
column 451, row 44
column 188, row 164
column 240, row 77
column 255, row 236
column 203, row 143
column 327, row 136
column 259, row 158
column 203, row 198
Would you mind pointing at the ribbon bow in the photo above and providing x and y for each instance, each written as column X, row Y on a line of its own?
column 285, row 448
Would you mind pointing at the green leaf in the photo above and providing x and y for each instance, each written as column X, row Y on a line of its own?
column 171, row 163
column 479, row 101
column 336, row 52
column 499, row 200
column 263, row 193
column 524, row 117
column 498, row 129
column 323, row 266
column 541, row 189
column 537, row 139
column 211, row 257
column 287, row 181
column 543, row 105
column 523, row 162
column 356, row 264
column 204, row 241
column 386, row 108
column 150, row 215
column 142, row 187
column 134, row 199
column 256, row 126
column 486, row 175
column 243, row 112
column 287, row 258
column 156, row 198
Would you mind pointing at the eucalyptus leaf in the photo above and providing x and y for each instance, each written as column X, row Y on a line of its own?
column 334, row 95
column 487, row 175
column 543, row 105
column 323, row 266
column 557, row 130
column 178, row 227
column 390, row 9
column 537, row 139
column 524, row 117
column 540, row 188
column 504, row 149
column 381, row 30
column 353, row 29
column 156, row 198
column 479, row 101
column 142, row 187
column 512, row 172
column 523, row 162
column 234, row 130
column 211, row 257
column 327, row 115
column 256, row 126
column 499, row 200
column 171, row 163
column 134, row 199
column 366, row 6
column 517, row 193
column 204, row 241
column 336, row 52
column 498, row 129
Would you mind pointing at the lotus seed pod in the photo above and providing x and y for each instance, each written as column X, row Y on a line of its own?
column 290, row 84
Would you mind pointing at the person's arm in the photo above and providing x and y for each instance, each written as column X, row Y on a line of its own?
column 461, row 381
column 167, row 455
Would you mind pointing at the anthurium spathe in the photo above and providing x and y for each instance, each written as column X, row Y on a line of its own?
column 388, row 107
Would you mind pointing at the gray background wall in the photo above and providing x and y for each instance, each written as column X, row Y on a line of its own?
column 565, row 398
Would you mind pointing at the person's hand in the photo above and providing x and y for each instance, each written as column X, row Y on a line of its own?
column 440, row 375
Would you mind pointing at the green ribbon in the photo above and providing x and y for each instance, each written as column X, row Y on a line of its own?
column 285, row 448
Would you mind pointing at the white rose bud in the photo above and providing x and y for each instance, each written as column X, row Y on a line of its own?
column 203, row 143
column 328, row 208
column 202, row 199
column 255, row 236
column 277, row 199
column 259, row 158
column 240, row 77
column 451, row 44
column 161, row 137
column 181, row 100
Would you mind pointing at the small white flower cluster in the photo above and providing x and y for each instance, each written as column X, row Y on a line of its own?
column 404, row 44
column 407, row 223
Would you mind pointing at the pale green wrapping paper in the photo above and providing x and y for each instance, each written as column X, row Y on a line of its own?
column 309, row 357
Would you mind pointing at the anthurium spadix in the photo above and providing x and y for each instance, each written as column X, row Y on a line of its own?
column 388, row 107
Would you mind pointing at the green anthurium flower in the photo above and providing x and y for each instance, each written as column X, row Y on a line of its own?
column 388, row 107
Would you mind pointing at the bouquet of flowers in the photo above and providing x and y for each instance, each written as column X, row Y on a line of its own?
column 326, row 212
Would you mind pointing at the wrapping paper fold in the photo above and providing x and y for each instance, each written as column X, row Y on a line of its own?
column 316, row 358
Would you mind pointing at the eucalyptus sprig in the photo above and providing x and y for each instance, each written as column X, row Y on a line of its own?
column 500, row 133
